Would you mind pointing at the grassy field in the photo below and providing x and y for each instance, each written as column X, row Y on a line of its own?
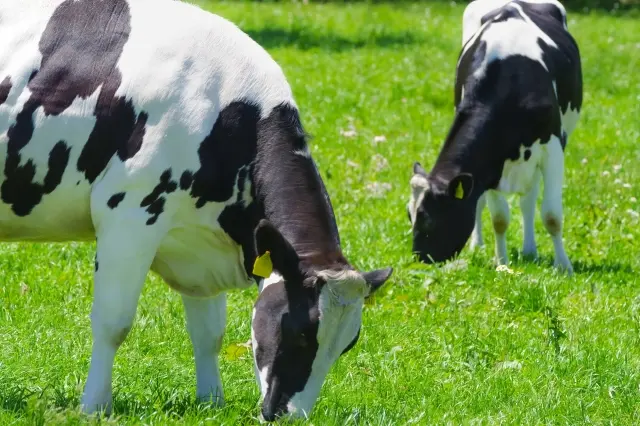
column 456, row 344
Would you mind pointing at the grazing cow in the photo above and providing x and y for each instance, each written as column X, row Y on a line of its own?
column 518, row 93
column 172, row 138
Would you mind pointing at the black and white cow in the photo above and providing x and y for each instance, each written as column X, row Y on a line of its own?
column 172, row 138
column 518, row 94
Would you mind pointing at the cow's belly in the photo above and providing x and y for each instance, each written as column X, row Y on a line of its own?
column 63, row 215
column 518, row 176
column 201, row 261
column 57, row 223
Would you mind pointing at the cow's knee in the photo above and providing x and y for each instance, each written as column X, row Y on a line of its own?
column 553, row 223
column 112, row 332
column 500, row 224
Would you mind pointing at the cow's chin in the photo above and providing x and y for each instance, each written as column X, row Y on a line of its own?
column 435, row 250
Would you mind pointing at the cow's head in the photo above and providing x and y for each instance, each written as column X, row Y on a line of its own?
column 303, row 320
column 441, row 213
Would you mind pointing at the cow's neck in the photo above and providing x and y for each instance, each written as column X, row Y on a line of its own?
column 291, row 191
column 470, row 148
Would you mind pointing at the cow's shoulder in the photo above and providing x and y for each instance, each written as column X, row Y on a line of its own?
column 473, row 14
column 479, row 12
column 550, row 9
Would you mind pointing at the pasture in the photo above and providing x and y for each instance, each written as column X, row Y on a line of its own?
column 460, row 343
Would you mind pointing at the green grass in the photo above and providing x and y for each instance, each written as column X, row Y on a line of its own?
column 459, row 344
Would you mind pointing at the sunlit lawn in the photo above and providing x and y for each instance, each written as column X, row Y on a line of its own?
column 456, row 344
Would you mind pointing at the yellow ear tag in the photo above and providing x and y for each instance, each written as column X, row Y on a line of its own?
column 459, row 191
column 263, row 267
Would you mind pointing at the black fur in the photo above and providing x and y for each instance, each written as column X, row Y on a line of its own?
column 230, row 145
column 115, row 200
column 154, row 202
column 5, row 88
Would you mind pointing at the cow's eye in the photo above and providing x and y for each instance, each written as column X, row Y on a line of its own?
column 302, row 340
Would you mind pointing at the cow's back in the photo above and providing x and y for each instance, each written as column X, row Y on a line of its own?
column 507, row 30
column 126, row 87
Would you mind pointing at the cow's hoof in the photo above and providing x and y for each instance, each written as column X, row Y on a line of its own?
column 564, row 267
column 96, row 409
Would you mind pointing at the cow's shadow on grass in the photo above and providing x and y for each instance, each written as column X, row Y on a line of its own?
column 579, row 266
column 303, row 39
column 35, row 401
column 52, row 403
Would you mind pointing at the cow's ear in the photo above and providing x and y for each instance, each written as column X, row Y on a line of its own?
column 461, row 186
column 376, row 278
column 275, row 252
column 419, row 170
column 419, row 181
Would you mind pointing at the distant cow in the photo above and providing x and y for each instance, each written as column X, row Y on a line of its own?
column 172, row 138
column 518, row 94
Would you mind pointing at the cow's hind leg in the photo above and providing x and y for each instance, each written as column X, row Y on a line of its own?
column 206, row 320
column 126, row 246
column 528, row 207
column 552, row 216
column 476, row 235
column 500, row 218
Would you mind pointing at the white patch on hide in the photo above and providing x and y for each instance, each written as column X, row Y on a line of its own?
column 266, row 282
column 518, row 176
column 570, row 119
column 303, row 152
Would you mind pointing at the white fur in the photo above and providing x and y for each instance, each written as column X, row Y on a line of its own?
column 348, row 286
column 125, row 251
column 183, row 78
column 264, row 383
column 206, row 319
column 303, row 152
column 419, row 186
column 476, row 236
column 500, row 217
column 528, row 208
column 570, row 119
column 518, row 175
column 552, row 215
column 272, row 279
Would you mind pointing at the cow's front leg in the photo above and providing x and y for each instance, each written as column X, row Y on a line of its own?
column 476, row 235
column 552, row 216
column 206, row 319
column 126, row 246
column 500, row 218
